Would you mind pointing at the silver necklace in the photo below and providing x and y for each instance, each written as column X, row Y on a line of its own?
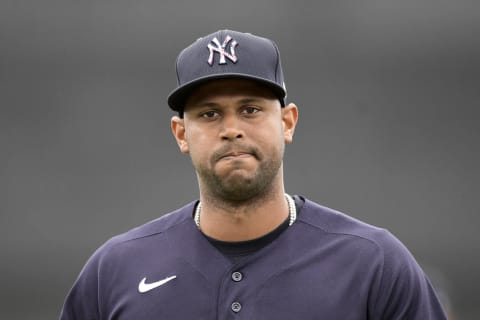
column 292, row 211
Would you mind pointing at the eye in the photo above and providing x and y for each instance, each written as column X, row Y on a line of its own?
column 250, row 110
column 210, row 114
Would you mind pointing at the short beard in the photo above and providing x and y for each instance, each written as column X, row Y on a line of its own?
column 237, row 190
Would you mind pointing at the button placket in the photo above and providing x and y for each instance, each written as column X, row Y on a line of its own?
column 237, row 276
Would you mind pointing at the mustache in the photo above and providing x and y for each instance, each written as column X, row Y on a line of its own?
column 235, row 148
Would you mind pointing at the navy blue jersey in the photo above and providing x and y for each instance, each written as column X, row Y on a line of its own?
column 327, row 265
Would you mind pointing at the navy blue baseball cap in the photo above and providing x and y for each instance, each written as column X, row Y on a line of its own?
column 227, row 54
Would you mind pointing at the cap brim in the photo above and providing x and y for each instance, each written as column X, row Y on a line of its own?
column 178, row 97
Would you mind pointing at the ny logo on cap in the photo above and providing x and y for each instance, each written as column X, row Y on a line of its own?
column 220, row 48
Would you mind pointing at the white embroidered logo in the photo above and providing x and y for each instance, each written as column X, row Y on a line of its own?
column 220, row 48
column 145, row 287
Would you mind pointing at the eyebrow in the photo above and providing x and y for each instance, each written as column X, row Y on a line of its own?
column 240, row 101
column 250, row 100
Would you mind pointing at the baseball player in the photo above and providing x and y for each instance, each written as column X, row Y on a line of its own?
column 246, row 249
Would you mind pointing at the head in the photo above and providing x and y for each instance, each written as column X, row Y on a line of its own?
column 233, row 120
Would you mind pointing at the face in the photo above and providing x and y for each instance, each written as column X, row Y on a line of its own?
column 235, row 132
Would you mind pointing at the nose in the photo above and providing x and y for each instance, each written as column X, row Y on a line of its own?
column 231, row 128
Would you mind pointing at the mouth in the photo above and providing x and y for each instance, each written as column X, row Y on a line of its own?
column 235, row 155
column 229, row 153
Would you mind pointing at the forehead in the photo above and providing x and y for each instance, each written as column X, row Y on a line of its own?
column 228, row 88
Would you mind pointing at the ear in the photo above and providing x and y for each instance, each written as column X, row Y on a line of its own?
column 289, row 118
column 178, row 130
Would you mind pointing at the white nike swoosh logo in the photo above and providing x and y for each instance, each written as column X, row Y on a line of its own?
column 145, row 287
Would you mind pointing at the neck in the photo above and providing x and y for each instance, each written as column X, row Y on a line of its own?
column 227, row 221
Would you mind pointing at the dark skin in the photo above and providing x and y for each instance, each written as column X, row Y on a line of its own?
column 235, row 132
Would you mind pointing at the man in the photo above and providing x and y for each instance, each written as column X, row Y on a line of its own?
column 246, row 249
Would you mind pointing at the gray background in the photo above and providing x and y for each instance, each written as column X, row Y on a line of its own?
column 389, row 99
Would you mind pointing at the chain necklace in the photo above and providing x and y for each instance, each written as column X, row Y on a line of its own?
column 292, row 211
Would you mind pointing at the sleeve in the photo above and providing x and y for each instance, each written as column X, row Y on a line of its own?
column 401, row 289
column 81, row 302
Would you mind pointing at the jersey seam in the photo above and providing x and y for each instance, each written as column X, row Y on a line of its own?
column 116, row 241
column 345, row 233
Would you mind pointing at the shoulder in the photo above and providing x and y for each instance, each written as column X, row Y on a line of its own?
column 144, row 238
column 339, row 224
column 384, row 253
column 160, row 225
column 399, row 287
column 119, row 259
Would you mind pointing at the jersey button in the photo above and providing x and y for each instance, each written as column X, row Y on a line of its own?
column 236, row 307
column 237, row 276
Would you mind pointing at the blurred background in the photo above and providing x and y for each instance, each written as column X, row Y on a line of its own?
column 389, row 97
